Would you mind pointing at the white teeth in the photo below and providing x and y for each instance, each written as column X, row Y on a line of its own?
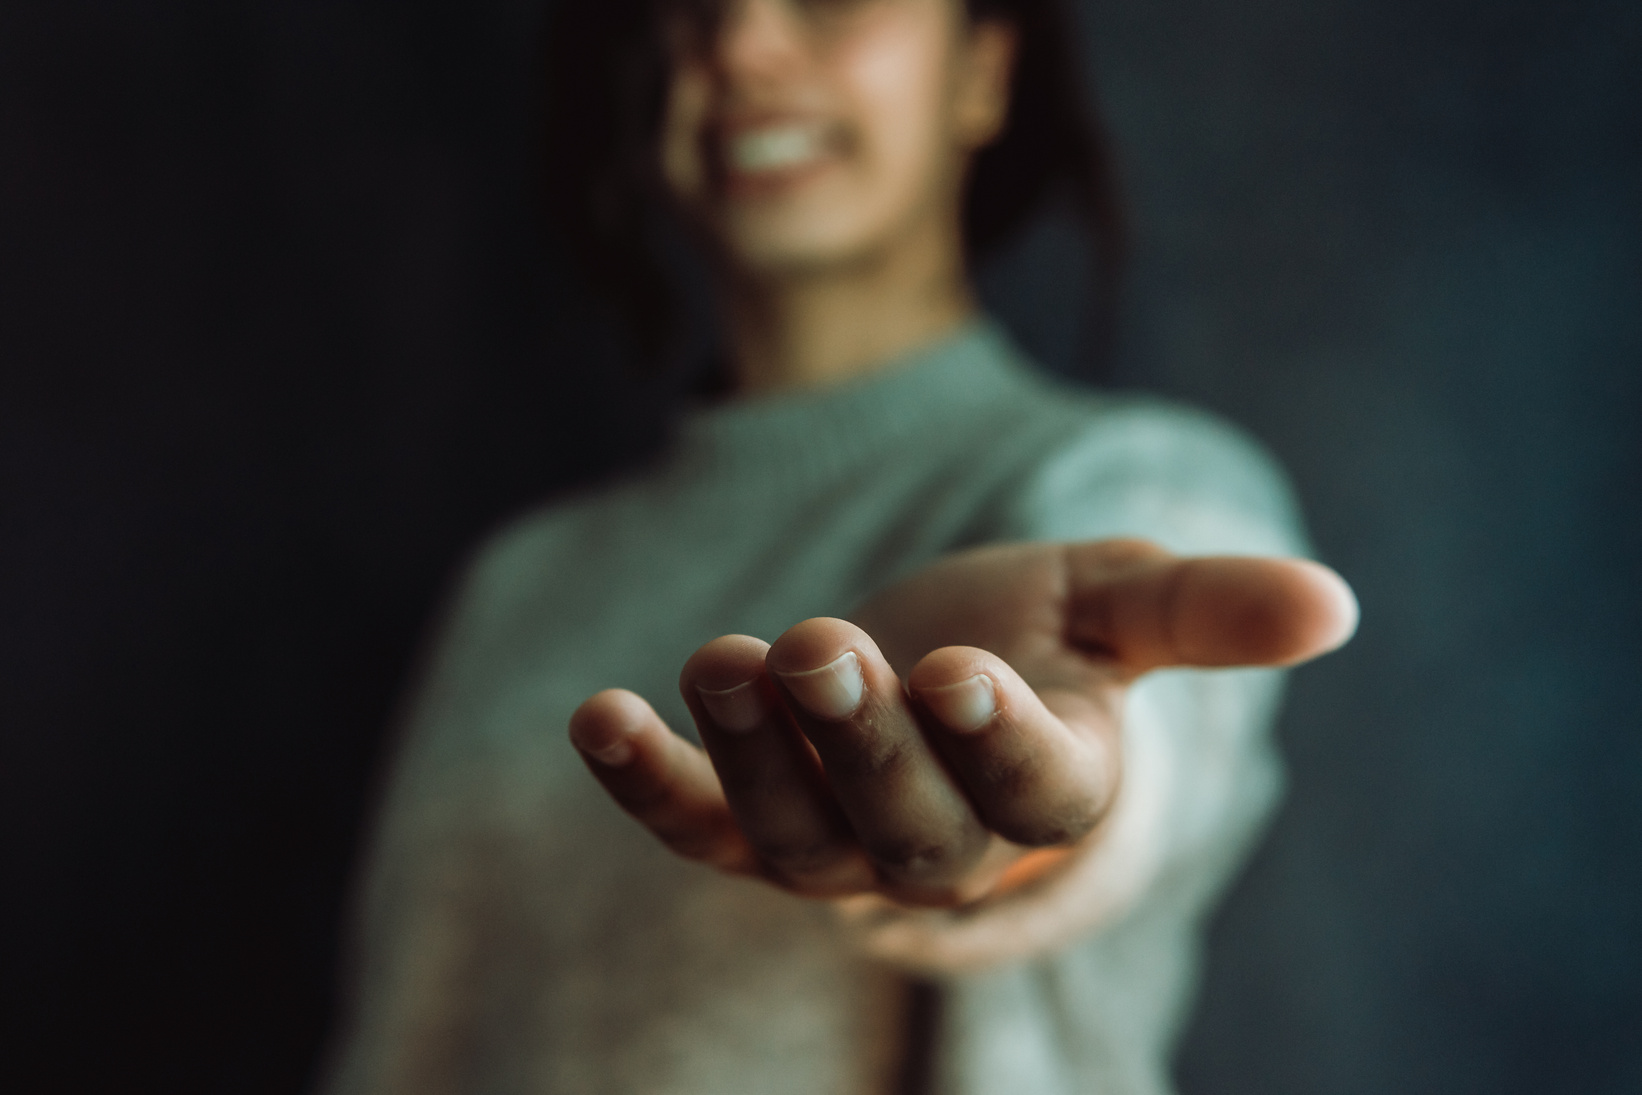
column 775, row 147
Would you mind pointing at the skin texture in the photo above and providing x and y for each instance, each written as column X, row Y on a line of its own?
column 896, row 797
column 968, row 732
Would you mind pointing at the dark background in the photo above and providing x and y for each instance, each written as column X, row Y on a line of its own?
column 279, row 338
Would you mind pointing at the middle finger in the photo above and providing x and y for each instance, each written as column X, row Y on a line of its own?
column 912, row 819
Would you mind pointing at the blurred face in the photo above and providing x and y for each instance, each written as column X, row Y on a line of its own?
column 803, row 134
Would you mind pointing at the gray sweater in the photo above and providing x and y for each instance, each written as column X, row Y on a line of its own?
column 518, row 933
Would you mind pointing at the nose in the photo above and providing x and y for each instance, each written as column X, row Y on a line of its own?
column 758, row 38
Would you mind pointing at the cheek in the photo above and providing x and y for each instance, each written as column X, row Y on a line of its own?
column 682, row 157
column 898, row 82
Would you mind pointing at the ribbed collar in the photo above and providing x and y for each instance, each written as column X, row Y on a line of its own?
column 817, row 432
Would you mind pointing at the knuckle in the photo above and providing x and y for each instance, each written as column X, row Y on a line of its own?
column 1018, row 779
column 946, row 896
column 693, row 845
column 691, row 837
column 1052, row 826
column 912, row 859
column 801, row 856
column 867, row 759
column 1030, row 801
column 644, row 798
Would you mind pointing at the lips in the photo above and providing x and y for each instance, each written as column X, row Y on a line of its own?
column 770, row 155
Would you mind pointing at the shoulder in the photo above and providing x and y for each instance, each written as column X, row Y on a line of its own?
column 1126, row 465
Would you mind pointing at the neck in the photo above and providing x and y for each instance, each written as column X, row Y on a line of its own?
column 822, row 325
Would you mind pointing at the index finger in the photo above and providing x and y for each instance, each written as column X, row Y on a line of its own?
column 1142, row 606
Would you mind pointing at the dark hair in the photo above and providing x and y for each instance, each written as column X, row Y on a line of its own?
column 606, row 80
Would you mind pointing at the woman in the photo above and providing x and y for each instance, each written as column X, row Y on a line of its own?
column 960, row 841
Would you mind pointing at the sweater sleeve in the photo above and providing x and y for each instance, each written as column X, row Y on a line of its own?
column 1200, row 770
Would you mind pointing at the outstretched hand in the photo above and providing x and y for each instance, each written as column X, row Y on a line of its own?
column 969, row 714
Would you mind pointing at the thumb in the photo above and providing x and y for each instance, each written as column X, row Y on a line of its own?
column 1137, row 603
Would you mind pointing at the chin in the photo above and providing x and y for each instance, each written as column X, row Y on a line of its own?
column 797, row 244
column 791, row 257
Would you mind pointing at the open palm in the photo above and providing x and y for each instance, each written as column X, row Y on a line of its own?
column 967, row 715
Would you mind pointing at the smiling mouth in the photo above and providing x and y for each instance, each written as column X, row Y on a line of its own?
column 775, row 148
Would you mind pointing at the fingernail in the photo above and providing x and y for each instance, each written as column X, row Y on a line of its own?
column 616, row 754
column 831, row 692
column 966, row 706
column 737, row 709
column 612, row 753
column 1349, row 612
